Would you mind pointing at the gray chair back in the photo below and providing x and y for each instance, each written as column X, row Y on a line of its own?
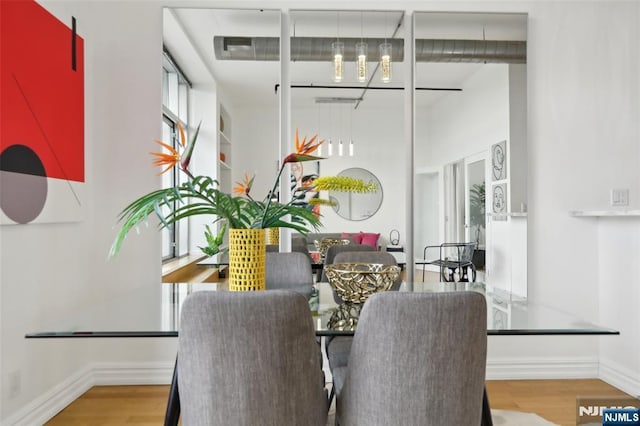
column 334, row 250
column 289, row 271
column 416, row 359
column 249, row 358
column 295, row 247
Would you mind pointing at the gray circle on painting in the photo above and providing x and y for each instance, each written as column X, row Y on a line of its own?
column 23, row 184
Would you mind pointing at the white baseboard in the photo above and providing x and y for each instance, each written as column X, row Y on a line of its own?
column 46, row 406
column 620, row 377
column 541, row 368
column 143, row 373
column 43, row 408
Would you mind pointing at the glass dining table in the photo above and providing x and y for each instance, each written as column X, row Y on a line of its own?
column 154, row 311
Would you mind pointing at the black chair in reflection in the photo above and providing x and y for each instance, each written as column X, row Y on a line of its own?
column 454, row 260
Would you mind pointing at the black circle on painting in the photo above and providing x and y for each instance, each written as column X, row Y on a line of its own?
column 23, row 184
column 21, row 159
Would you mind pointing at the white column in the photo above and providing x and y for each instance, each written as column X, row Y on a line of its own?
column 286, row 145
column 409, row 131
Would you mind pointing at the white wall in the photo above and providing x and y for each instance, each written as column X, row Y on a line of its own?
column 49, row 271
column 583, row 119
column 205, row 154
column 377, row 134
column 583, row 132
column 255, row 147
column 379, row 147
column 619, row 296
column 465, row 123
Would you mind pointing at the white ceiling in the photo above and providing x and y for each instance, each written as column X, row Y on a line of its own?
column 253, row 82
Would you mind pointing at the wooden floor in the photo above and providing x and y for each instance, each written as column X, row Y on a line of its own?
column 555, row 400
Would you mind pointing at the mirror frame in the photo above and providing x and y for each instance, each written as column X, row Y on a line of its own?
column 379, row 193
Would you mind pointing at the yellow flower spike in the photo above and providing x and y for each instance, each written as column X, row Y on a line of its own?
column 343, row 184
column 322, row 202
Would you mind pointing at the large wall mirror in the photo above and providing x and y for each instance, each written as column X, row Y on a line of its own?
column 360, row 116
column 470, row 115
column 356, row 206
column 470, row 155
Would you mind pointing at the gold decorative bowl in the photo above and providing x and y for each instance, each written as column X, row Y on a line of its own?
column 355, row 282
column 345, row 317
column 323, row 245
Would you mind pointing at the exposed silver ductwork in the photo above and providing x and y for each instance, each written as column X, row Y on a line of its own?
column 302, row 48
column 490, row 51
column 319, row 49
column 337, row 100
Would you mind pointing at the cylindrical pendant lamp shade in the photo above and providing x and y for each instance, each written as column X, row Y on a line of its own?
column 362, row 50
column 337, row 48
column 385, row 61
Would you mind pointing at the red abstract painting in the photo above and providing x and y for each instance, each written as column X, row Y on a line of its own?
column 41, row 115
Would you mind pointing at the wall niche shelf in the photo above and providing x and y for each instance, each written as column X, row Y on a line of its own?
column 503, row 215
column 224, row 138
column 225, row 161
column 604, row 213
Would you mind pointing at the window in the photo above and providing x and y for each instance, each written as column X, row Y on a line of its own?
column 169, row 234
column 175, row 95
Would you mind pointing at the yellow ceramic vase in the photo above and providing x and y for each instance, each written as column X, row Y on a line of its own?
column 273, row 236
column 247, row 253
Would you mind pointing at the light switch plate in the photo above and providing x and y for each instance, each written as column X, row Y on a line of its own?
column 619, row 197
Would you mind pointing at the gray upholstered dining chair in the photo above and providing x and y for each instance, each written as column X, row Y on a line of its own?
column 338, row 354
column 416, row 359
column 289, row 271
column 334, row 250
column 249, row 359
column 338, row 348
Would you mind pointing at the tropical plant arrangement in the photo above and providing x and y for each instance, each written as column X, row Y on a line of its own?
column 201, row 195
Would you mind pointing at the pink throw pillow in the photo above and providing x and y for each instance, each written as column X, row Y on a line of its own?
column 357, row 238
column 370, row 239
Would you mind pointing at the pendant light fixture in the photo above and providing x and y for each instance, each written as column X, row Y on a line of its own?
column 350, row 132
column 337, row 49
column 340, row 138
column 362, row 50
column 385, row 61
column 385, row 56
column 318, row 132
column 330, row 143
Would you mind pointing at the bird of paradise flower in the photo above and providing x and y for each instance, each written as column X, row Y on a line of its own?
column 201, row 195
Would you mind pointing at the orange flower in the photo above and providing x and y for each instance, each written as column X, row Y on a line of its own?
column 243, row 188
column 173, row 157
column 303, row 149
column 162, row 158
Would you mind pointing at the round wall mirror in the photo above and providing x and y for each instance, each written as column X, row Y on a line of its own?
column 354, row 206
